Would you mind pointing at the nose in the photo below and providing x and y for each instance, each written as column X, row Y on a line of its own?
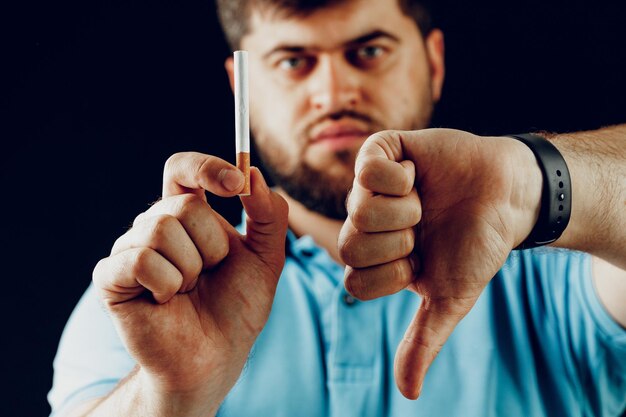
column 334, row 86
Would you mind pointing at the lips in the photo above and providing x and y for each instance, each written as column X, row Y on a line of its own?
column 339, row 132
column 339, row 138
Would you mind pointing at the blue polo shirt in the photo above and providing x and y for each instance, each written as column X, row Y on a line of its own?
column 537, row 343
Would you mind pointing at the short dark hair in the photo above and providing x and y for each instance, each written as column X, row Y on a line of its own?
column 234, row 15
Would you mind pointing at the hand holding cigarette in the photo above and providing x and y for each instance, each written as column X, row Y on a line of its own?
column 187, row 292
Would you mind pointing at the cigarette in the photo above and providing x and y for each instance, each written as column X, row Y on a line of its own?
column 242, row 118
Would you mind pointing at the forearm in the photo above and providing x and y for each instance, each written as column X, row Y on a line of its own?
column 597, row 164
column 135, row 396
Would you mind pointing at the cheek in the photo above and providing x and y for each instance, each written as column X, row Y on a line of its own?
column 403, row 93
column 274, row 109
column 268, row 117
column 281, row 157
column 271, row 123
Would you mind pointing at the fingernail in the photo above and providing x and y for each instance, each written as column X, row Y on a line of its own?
column 189, row 286
column 231, row 179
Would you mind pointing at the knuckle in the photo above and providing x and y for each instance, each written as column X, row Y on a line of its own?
column 214, row 249
column 189, row 200
column 349, row 203
column 382, row 135
column 188, row 204
column 350, row 282
column 415, row 215
column 350, row 250
column 172, row 162
column 386, row 139
column 97, row 275
column 400, row 275
column 407, row 242
column 192, row 267
column 343, row 238
column 416, row 205
column 139, row 218
column 407, row 187
column 118, row 244
column 161, row 227
column 345, row 252
column 366, row 174
column 200, row 173
column 219, row 248
column 160, row 230
column 140, row 262
column 209, row 168
column 196, row 264
column 361, row 217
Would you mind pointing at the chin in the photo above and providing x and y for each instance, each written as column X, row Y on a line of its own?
column 338, row 166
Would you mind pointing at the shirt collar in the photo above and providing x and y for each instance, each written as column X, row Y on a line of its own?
column 303, row 249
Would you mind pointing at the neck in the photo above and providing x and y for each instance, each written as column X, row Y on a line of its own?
column 323, row 230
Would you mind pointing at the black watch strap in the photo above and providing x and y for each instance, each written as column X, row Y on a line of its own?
column 556, row 196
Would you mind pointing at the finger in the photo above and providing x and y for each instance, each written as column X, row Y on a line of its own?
column 432, row 325
column 128, row 274
column 380, row 280
column 266, row 221
column 380, row 175
column 166, row 235
column 370, row 212
column 360, row 250
column 201, row 223
column 386, row 144
column 193, row 172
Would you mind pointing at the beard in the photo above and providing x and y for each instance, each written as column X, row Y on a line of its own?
column 317, row 189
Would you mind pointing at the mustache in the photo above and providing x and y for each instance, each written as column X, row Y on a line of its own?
column 351, row 114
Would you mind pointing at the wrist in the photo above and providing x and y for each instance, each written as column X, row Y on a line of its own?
column 161, row 401
column 585, row 230
column 526, row 190
column 597, row 168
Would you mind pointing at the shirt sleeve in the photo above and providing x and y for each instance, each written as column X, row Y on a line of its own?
column 91, row 358
column 592, row 343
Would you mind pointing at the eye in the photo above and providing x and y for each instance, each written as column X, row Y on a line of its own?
column 366, row 56
column 369, row 52
column 293, row 63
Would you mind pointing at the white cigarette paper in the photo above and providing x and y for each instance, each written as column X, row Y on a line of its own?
column 242, row 117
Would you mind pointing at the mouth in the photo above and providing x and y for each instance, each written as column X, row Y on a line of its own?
column 339, row 136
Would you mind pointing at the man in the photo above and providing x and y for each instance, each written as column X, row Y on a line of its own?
column 196, row 321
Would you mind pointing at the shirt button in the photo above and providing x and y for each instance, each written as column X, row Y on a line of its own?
column 348, row 299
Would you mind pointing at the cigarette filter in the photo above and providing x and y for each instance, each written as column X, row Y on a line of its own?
column 242, row 117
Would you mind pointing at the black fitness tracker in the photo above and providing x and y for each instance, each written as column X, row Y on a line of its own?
column 556, row 196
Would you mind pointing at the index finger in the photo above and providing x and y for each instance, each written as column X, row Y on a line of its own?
column 194, row 173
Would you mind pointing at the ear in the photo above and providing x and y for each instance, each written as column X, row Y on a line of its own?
column 435, row 48
column 229, row 64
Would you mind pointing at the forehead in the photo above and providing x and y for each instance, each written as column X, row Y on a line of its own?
column 327, row 27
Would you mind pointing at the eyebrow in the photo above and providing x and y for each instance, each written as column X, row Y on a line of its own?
column 376, row 34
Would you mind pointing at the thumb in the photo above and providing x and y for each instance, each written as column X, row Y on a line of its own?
column 266, row 218
column 435, row 320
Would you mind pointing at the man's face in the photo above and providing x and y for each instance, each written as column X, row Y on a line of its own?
column 321, row 84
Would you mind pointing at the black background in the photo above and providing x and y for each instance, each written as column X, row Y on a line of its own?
column 98, row 95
